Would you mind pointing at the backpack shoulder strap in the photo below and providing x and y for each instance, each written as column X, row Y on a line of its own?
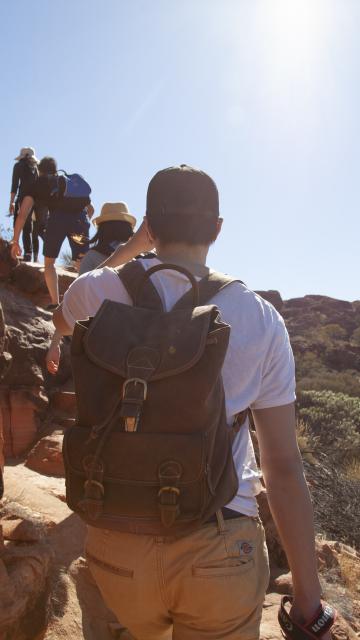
column 131, row 275
column 209, row 286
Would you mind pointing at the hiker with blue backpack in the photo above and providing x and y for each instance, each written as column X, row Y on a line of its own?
column 68, row 200
column 169, row 357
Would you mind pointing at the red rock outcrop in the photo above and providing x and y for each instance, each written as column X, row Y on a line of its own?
column 25, row 332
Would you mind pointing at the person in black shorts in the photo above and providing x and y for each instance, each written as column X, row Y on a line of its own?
column 25, row 173
column 68, row 218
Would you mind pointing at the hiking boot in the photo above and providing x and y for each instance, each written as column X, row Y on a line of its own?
column 27, row 257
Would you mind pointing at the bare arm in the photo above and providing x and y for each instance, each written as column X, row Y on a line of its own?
column 53, row 355
column 26, row 206
column 14, row 187
column 290, row 503
column 12, row 202
column 61, row 326
column 140, row 242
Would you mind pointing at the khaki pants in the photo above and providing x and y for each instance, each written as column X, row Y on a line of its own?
column 208, row 585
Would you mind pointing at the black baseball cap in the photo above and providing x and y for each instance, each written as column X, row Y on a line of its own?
column 182, row 190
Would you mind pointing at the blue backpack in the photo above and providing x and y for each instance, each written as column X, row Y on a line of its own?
column 71, row 186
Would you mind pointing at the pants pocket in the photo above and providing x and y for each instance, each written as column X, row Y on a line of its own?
column 227, row 567
column 118, row 571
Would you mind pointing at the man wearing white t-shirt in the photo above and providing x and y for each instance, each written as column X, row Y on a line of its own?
column 209, row 584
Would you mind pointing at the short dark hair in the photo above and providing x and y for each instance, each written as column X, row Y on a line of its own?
column 189, row 229
column 47, row 166
column 183, row 206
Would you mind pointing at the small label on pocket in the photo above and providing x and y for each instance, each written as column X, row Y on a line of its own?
column 246, row 548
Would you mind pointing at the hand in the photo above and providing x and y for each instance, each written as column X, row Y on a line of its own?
column 302, row 615
column 90, row 211
column 11, row 209
column 15, row 249
column 53, row 358
column 143, row 237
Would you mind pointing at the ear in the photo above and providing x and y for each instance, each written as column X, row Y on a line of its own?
column 219, row 226
column 148, row 230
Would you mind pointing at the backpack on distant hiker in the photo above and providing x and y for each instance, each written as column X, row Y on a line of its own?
column 70, row 186
column 151, row 451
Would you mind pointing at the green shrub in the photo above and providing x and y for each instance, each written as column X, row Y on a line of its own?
column 322, row 379
column 334, row 331
column 355, row 337
column 333, row 420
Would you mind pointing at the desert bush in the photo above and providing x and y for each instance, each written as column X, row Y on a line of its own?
column 6, row 231
column 305, row 441
column 322, row 379
column 334, row 331
column 350, row 572
column 333, row 420
column 355, row 336
column 352, row 470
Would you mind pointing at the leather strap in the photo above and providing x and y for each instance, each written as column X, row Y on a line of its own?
column 209, row 286
column 131, row 275
column 165, row 266
column 322, row 621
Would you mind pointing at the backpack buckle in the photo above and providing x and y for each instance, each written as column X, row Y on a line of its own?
column 168, row 500
column 93, row 502
column 169, row 474
column 133, row 400
column 135, row 381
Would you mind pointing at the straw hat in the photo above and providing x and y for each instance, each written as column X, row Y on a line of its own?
column 27, row 152
column 114, row 211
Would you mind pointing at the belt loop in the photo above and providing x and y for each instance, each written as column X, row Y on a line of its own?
column 220, row 522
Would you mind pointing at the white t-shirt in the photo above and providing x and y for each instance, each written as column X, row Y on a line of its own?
column 258, row 370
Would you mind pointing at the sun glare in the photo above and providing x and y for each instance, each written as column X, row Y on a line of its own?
column 293, row 30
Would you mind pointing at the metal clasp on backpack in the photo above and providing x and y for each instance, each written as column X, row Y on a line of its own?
column 132, row 405
column 135, row 381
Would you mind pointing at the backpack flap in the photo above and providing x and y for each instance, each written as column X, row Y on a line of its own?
column 177, row 338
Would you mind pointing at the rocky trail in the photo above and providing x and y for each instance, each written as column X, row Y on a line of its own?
column 46, row 590
column 41, row 529
column 75, row 606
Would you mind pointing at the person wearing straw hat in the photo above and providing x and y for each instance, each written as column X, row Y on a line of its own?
column 25, row 173
column 115, row 226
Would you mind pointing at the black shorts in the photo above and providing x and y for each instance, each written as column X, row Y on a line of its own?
column 73, row 226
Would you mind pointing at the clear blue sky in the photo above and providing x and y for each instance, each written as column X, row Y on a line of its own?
column 262, row 94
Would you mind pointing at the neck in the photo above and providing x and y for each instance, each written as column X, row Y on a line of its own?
column 193, row 258
column 183, row 253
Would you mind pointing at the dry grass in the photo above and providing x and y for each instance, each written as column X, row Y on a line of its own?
column 350, row 572
column 304, row 441
column 352, row 470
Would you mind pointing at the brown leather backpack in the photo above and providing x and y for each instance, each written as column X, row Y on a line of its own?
column 151, row 451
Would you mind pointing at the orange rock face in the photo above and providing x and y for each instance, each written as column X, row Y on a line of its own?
column 46, row 457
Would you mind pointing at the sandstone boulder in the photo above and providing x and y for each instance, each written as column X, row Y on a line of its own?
column 29, row 278
column 29, row 330
column 23, row 574
column 24, row 391
column 7, row 263
column 283, row 584
column 5, row 356
column 46, row 457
